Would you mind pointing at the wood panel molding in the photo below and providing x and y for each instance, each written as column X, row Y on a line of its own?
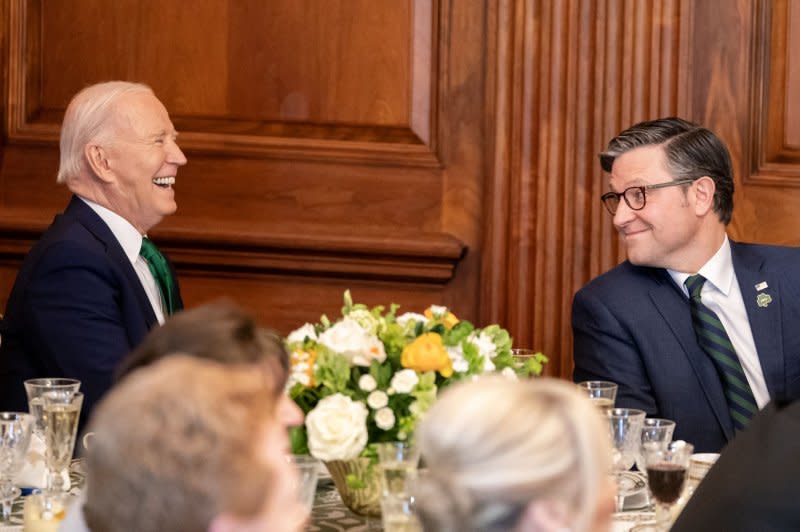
column 774, row 151
column 31, row 121
column 222, row 250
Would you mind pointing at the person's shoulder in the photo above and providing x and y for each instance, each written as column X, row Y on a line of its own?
column 623, row 275
column 774, row 257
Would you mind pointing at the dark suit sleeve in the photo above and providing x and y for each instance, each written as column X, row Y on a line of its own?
column 72, row 316
column 605, row 350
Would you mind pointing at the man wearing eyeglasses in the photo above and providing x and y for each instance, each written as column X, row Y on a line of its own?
column 693, row 327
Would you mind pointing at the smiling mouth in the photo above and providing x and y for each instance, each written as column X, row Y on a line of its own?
column 164, row 182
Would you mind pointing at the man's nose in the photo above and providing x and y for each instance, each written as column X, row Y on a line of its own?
column 623, row 215
column 176, row 156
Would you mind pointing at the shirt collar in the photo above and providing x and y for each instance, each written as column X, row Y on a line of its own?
column 127, row 235
column 718, row 271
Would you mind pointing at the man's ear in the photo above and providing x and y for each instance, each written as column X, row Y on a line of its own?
column 97, row 159
column 704, row 189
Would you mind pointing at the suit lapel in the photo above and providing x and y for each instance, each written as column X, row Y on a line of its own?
column 84, row 214
column 673, row 306
column 765, row 320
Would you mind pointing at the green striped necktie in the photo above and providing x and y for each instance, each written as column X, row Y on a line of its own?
column 162, row 274
column 715, row 342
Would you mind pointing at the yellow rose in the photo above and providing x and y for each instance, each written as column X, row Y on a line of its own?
column 436, row 313
column 427, row 353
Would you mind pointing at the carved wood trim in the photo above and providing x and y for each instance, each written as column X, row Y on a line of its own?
column 415, row 145
column 408, row 257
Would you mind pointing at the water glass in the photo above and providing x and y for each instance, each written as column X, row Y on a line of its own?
column 34, row 388
column 15, row 437
column 525, row 362
column 602, row 394
column 398, row 513
column 398, row 464
column 62, row 409
column 44, row 514
column 307, row 468
column 656, row 432
column 625, row 426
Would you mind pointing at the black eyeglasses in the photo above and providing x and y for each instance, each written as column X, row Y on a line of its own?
column 636, row 197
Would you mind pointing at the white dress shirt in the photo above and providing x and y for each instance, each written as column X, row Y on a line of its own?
column 721, row 294
column 131, row 242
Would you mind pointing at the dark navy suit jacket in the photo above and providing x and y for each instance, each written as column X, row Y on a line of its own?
column 76, row 309
column 632, row 326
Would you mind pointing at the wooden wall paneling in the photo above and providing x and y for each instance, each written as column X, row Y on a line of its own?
column 319, row 152
column 743, row 93
column 578, row 73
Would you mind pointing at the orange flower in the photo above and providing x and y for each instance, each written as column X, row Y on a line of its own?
column 427, row 353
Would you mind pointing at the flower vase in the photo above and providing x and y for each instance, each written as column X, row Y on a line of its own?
column 362, row 493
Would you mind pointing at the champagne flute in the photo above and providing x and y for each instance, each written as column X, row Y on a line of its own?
column 666, row 476
column 35, row 388
column 62, row 410
column 15, row 437
column 601, row 393
column 625, row 426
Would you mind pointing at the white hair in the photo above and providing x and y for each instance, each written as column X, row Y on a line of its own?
column 494, row 446
column 86, row 120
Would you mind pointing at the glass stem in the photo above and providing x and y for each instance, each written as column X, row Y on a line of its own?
column 619, row 496
column 6, row 508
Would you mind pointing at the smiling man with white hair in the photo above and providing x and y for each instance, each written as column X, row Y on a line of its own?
column 94, row 284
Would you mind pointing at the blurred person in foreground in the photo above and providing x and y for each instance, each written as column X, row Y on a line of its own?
column 221, row 332
column 753, row 485
column 190, row 444
column 514, row 456
column 693, row 327
column 93, row 285
column 224, row 332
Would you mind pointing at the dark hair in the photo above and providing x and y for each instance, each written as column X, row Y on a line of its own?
column 219, row 331
column 691, row 150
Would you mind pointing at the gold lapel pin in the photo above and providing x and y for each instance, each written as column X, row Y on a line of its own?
column 762, row 300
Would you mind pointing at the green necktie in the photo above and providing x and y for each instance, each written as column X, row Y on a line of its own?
column 714, row 340
column 162, row 274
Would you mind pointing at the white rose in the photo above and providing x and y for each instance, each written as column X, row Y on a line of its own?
column 337, row 428
column 384, row 418
column 404, row 381
column 300, row 335
column 377, row 399
column 349, row 339
column 404, row 319
column 367, row 383
column 509, row 374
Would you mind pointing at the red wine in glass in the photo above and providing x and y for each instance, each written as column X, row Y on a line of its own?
column 666, row 481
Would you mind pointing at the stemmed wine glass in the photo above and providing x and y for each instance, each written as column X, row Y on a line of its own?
column 625, row 426
column 15, row 436
column 526, row 362
column 62, row 409
column 666, row 476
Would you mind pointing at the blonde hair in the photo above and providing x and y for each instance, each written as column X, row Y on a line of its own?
column 178, row 443
column 87, row 119
column 493, row 446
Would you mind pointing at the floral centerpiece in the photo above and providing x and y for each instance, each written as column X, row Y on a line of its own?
column 370, row 376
